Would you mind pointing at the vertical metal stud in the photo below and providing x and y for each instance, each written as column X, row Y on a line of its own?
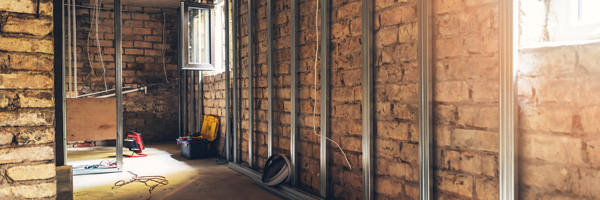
column 119, row 82
column 69, row 51
column 60, row 129
column 508, row 115
column 368, row 117
column 186, row 103
column 190, row 102
column 425, row 95
column 184, row 96
column 325, row 96
column 200, row 111
column 227, row 85
column 294, row 90
column 235, row 81
column 194, row 106
column 180, row 101
column 270, row 74
column 74, row 95
column 250, row 84
column 179, row 71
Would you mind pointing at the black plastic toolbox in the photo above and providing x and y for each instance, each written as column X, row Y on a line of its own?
column 194, row 148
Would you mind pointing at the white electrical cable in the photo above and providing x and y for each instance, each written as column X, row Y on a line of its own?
column 164, row 38
column 315, row 90
column 97, row 7
column 92, row 71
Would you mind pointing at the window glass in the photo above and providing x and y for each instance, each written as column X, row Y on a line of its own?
column 589, row 11
column 199, row 36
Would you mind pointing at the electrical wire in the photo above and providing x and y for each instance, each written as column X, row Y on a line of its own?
column 154, row 181
column 92, row 71
column 97, row 11
column 102, row 164
column 164, row 38
column 315, row 90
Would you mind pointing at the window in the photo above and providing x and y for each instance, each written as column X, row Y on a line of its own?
column 198, row 45
column 219, row 19
column 577, row 19
column 587, row 11
column 199, row 35
column 204, row 36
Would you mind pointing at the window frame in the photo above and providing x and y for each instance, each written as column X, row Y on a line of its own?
column 219, row 36
column 569, row 25
column 185, row 28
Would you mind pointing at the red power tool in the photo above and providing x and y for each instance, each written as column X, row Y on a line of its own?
column 134, row 143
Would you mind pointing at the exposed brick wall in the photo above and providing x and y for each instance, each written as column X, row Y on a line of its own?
column 556, row 116
column 307, row 142
column 214, row 105
column 346, row 98
column 153, row 114
column 243, row 80
column 27, row 168
column 398, row 146
column 465, row 95
column 558, row 122
column 260, row 92
column 282, row 76
column 396, row 103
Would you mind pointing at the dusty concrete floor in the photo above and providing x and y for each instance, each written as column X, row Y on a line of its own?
column 188, row 179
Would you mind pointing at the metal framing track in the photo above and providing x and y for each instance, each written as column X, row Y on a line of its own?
column 179, row 75
column 69, row 51
column 200, row 111
column 119, row 81
column 118, row 94
column 425, row 56
column 235, row 81
column 227, row 85
column 184, row 96
column 60, row 130
column 283, row 191
column 270, row 75
column 183, row 83
column 368, row 116
column 250, row 85
column 508, row 115
column 194, row 107
column 294, row 90
column 183, row 76
column 325, row 96
column 74, row 34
